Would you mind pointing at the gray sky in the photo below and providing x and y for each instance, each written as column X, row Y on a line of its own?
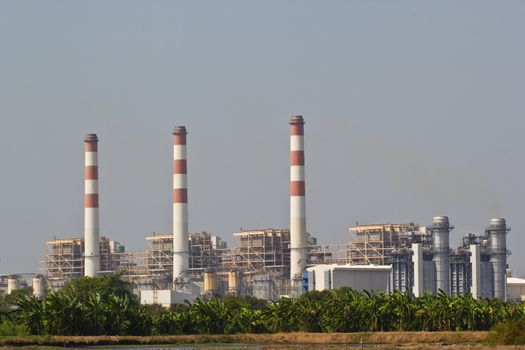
column 413, row 109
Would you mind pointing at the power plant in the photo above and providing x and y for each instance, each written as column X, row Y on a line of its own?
column 273, row 262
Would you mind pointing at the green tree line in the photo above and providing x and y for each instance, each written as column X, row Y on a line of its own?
column 107, row 306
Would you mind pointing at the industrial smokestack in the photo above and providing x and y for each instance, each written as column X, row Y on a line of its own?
column 440, row 238
column 298, row 254
column 498, row 256
column 180, row 204
column 91, row 229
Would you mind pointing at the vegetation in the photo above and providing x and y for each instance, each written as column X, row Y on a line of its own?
column 509, row 333
column 8, row 326
column 106, row 306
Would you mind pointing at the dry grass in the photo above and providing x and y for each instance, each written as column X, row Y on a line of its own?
column 415, row 340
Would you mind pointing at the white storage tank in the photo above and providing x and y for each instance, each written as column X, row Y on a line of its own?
column 12, row 283
column 39, row 287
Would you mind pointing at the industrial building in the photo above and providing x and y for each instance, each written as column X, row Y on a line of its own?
column 515, row 289
column 358, row 277
column 65, row 259
column 204, row 253
column 269, row 263
column 259, row 264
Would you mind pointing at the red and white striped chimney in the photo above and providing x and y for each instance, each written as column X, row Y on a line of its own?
column 298, row 254
column 91, row 229
column 180, row 204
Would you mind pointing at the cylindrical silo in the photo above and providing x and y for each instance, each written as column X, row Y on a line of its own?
column 210, row 283
column 232, row 282
column 498, row 256
column 298, row 253
column 180, row 204
column 12, row 283
column 91, row 223
column 39, row 287
column 440, row 240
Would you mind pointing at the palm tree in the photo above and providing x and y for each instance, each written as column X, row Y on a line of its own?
column 116, row 310
column 32, row 313
column 212, row 316
column 94, row 315
column 64, row 314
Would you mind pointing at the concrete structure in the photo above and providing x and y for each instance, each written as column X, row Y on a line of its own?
column 497, row 232
column 429, row 276
column 440, row 229
column 91, row 219
column 475, row 263
column 39, row 287
column 298, row 254
column 263, row 287
column 180, row 204
column 165, row 297
column 515, row 289
column 357, row 277
column 417, row 260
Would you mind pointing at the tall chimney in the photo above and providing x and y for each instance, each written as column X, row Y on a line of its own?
column 91, row 230
column 298, row 254
column 180, row 204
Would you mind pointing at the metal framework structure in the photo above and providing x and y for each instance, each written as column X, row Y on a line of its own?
column 261, row 249
column 202, row 254
column 374, row 244
column 65, row 261
column 159, row 254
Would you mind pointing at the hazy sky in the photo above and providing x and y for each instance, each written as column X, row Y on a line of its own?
column 413, row 109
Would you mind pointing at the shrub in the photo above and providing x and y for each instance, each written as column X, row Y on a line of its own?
column 508, row 333
column 8, row 328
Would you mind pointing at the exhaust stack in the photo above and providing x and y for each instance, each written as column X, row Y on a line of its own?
column 498, row 256
column 91, row 224
column 440, row 240
column 298, row 253
column 180, row 204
